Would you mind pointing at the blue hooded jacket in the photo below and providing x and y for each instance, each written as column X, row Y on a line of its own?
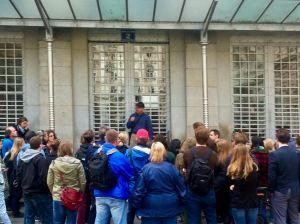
column 7, row 144
column 122, row 169
column 138, row 157
column 160, row 191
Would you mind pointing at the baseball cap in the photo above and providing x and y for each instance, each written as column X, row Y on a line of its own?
column 142, row 133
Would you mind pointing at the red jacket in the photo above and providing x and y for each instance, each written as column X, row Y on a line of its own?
column 262, row 157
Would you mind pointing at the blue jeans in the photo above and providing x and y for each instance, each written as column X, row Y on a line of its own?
column 62, row 215
column 196, row 204
column 149, row 220
column 40, row 205
column 3, row 214
column 111, row 207
column 244, row 216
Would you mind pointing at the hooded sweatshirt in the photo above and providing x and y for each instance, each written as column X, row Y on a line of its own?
column 65, row 172
column 32, row 173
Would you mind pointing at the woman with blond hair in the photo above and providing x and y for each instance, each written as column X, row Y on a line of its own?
column 242, row 173
column 224, row 151
column 15, row 193
column 65, row 173
column 160, row 189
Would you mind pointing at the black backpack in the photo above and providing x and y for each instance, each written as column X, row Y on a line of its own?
column 201, row 175
column 101, row 174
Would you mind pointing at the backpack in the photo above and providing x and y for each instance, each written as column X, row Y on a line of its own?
column 201, row 174
column 101, row 174
column 84, row 158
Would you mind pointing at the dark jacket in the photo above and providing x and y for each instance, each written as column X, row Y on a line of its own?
column 32, row 174
column 284, row 172
column 21, row 132
column 262, row 158
column 122, row 149
column 243, row 195
column 142, row 121
column 50, row 155
column 160, row 191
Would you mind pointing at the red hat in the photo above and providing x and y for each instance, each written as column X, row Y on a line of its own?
column 142, row 133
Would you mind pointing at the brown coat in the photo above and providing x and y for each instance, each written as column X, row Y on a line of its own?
column 201, row 152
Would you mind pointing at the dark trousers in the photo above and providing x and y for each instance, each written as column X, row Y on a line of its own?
column 196, row 204
column 40, row 205
column 285, row 208
column 149, row 220
column 131, row 213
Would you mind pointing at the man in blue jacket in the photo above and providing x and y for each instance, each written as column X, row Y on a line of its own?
column 114, row 201
column 138, row 157
column 284, row 176
column 139, row 120
column 7, row 143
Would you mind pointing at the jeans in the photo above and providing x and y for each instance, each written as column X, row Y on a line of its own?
column 107, row 207
column 196, row 204
column 40, row 205
column 285, row 208
column 244, row 216
column 62, row 215
column 131, row 213
column 3, row 214
column 149, row 220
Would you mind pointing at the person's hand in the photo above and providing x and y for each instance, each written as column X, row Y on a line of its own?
column 132, row 119
column 231, row 187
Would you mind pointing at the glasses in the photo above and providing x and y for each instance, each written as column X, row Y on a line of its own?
column 51, row 136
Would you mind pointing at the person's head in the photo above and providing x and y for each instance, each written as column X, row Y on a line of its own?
column 283, row 136
column 30, row 134
column 102, row 132
column 197, row 125
column 87, row 137
column 157, row 152
column 112, row 137
column 298, row 141
column 18, row 144
column 239, row 138
column 269, row 144
column 175, row 146
column 23, row 122
column 54, row 145
column 51, row 135
column 139, row 108
column 142, row 137
column 256, row 142
column 162, row 139
column 123, row 138
column 202, row 136
column 223, row 151
column 214, row 135
column 35, row 142
column 187, row 144
column 65, row 149
column 241, row 164
column 10, row 132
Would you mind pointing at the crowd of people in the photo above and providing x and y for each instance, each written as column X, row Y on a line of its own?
column 119, row 177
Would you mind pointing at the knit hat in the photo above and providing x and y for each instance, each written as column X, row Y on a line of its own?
column 142, row 133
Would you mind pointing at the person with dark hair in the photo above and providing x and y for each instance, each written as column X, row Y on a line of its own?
column 32, row 177
column 283, row 180
column 8, row 141
column 200, row 163
column 101, row 135
column 22, row 126
column 51, row 140
column 139, row 120
column 30, row 134
column 198, row 125
column 298, row 142
column 214, row 135
column 87, row 149
column 138, row 156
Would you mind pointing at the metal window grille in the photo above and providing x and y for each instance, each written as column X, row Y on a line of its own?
column 248, row 67
column 11, row 83
column 287, row 88
column 123, row 74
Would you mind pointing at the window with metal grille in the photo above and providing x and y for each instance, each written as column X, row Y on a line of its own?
column 287, row 88
column 11, row 83
column 123, row 74
column 248, row 67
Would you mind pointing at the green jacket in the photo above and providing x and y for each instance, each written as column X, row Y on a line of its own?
column 68, row 168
